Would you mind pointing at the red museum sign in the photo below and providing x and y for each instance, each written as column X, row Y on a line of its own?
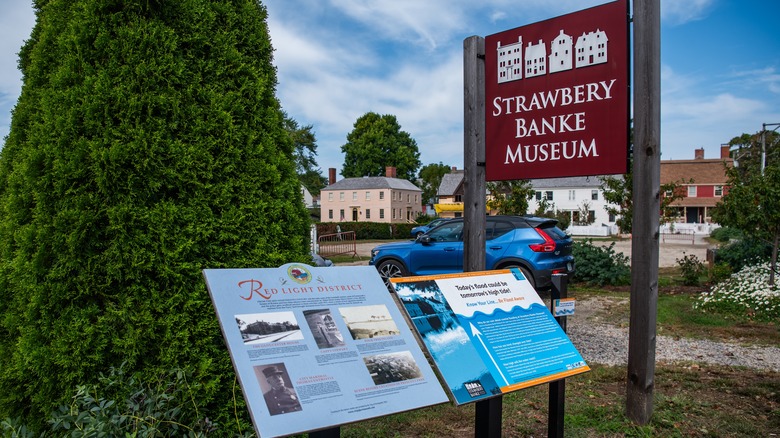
column 556, row 96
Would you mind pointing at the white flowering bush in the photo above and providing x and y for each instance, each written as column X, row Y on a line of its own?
column 746, row 293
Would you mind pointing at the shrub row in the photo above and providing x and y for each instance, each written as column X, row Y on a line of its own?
column 367, row 230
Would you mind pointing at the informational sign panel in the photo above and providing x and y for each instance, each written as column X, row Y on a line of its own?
column 315, row 348
column 488, row 332
column 557, row 96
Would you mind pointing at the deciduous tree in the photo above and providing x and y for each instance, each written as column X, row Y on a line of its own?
column 305, row 153
column 752, row 204
column 509, row 197
column 430, row 179
column 377, row 142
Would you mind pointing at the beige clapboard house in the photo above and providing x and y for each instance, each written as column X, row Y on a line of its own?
column 370, row 199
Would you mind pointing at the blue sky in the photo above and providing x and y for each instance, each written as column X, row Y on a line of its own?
column 338, row 59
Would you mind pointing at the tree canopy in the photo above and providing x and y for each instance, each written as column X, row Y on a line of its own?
column 752, row 202
column 509, row 197
column 430, row 180
column 305, row 153
column 147, row 144
column 377, row 142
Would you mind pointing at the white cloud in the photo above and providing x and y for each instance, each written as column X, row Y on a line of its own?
column 683, row 11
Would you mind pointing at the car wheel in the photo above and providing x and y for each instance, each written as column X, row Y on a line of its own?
column 391, row 269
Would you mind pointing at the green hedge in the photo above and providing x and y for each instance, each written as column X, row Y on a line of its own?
column 147, row 145
column 368, row 230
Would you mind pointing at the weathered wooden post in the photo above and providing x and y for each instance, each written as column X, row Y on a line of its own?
column 488, row 412
column 647, row 177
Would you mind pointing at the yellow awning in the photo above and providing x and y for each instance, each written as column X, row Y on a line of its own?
column 452, row 207
column 447, row 207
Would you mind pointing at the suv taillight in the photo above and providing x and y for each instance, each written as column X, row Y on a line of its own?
column 547, row 246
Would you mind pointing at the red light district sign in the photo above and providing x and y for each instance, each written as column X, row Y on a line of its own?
column 557, row 96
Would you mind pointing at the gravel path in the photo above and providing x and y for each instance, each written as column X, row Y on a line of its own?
column 607, row 344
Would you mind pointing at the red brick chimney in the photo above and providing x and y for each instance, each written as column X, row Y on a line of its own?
column 724, row 151
column 699, row 154
column 390, row 172
column 331, row 176
column 454, row 168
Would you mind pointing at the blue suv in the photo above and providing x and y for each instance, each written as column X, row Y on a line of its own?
column 535, row 245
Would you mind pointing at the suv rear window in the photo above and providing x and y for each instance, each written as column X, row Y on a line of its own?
column 553, row 231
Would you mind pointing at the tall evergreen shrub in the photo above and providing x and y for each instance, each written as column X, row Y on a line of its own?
column 147, row 144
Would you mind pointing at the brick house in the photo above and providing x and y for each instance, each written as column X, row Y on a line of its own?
column 370, row 199
column 707, row 188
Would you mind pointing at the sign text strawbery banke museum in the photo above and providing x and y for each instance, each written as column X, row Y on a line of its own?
column 557, row 96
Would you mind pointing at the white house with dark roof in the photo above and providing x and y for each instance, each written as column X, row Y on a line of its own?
column 370, row 199
column 573, row 194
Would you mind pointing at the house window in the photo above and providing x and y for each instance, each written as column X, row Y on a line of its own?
column 408, row 198
column 415, row 199
column 572, row 195
column 342, row 215
column 368, row 196
column 458, row 198
column 691, row 191
column 718, row 191
column 354, row 196
column 548, row 196
column 381, row 213
column 330, row 196
column 368, row 213
column 341, row 196
column 538, row 196
column 591, row 216
column 594, row 195
column 393, row 212
column 381, row 195
column 612, row 217
column 330, row 214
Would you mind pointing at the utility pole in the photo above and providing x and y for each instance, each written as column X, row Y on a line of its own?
column 763, row 143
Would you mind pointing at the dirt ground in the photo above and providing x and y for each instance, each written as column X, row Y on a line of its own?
column 668, row 252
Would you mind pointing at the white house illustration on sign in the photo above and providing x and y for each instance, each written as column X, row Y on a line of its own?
column 591, row 49
column 535, row 60
column 510, row 61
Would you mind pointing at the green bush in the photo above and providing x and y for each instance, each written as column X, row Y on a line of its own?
column 120, row 405
column 147, row 144
column 741, row 253
column 691, row 269
column 719, row 272
column 600, row 265
column 725, row 234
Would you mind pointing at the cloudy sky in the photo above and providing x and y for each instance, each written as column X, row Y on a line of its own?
column 338, row 59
